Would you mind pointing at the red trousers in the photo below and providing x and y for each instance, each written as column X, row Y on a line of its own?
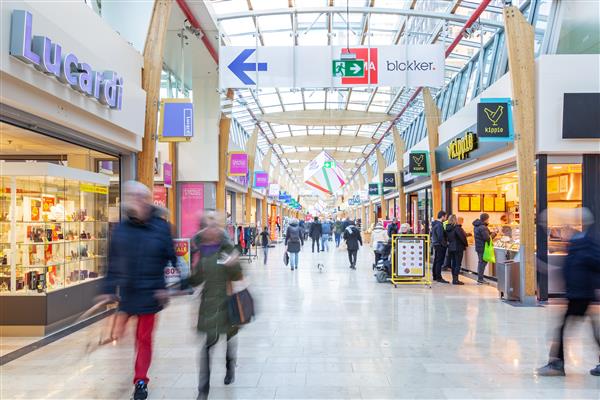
column 143, row 346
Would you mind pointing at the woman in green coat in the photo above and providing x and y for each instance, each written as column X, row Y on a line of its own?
column 216, row 267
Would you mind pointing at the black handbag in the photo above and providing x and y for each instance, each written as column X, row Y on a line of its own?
column 286, row 258
column 240, row 308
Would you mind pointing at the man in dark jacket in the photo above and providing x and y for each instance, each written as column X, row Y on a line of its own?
column 482, row 235
column 338, row 230
column 582, row 280
column 315, row 234
column 141, row 246
column 392, row 228
column 293, row 242
column 457, row 243
column 439, row 243
column 352, row 238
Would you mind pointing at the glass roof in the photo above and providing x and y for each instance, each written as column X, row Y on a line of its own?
column 336, row 22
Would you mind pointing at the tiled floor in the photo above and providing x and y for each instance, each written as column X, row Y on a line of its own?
column 335, row 334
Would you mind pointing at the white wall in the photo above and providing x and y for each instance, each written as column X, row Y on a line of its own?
column 81, row 31
column 130, row 19
column 559, row 74
column 198, row 160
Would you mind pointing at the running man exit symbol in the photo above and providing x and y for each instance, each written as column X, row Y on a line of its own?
column 239, row 66
column 349, row 68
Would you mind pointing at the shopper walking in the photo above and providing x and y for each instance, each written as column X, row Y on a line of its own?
column 293, row 242
column 216, row 267
column 303, row 228
column 316, row 229
column 264, row 241
column 581, row 273
column 353, row 239
column 439, row 243
column 392, row 228
column 338, row 230
column 457, row 243
column 141, row 246
column 326, row 227
column 482, row 235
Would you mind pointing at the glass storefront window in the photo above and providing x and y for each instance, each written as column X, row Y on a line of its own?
column 564, row 205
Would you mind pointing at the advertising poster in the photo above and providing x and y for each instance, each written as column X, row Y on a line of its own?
column 192, row 204
column 175, row 273
column 168, row 174
column 261, row 179
column 159, row 196
column 237, row 163
column 410, row 256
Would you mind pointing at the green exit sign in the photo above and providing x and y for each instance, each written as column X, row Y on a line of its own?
column 348, row 68
column 329, row 164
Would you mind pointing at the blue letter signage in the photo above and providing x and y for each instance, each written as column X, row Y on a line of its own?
column 49, row 58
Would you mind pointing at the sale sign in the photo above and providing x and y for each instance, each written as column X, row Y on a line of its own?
column 175, row 273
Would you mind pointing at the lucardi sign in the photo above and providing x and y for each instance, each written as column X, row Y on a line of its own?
column 49, row 58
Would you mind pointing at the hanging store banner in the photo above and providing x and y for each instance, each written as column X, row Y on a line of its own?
column 168, row 174
column 176, row 122
column 323, row 66
column 418, row 163
column 261, row 179
column 274, row 190
column 374, row 189
column 237, row 163
column 389, row 180
column 494, row 120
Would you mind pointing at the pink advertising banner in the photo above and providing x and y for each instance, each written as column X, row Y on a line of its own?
column 168, row 174
column 261, row 179
column 192, row 205
column 238, row 164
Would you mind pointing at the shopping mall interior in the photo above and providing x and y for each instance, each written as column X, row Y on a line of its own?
column 300, row 199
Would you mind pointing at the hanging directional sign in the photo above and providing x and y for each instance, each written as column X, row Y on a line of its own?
column 322, row 66
column 350, row 68
column 329, row 164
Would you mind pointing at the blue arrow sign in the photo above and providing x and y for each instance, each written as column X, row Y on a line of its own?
column 239, row 67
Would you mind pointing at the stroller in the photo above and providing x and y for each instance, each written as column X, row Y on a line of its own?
column 383, row 261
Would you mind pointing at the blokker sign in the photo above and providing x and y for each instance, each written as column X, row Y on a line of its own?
column 49, row 58
column 311, row 66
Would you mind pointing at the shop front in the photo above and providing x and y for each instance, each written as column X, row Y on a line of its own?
column 480, row 175
column 69, row 133
column 419, row 201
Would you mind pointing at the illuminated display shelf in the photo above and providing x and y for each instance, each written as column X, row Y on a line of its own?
column 53, row 227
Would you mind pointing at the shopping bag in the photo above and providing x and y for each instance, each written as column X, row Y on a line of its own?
column 488, row 252
column 286, row 258
column 240, row 308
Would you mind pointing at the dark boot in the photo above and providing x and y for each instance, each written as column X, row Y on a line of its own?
column 230, row 374
column 203, row 393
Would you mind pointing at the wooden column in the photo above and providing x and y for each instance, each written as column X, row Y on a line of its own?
column 520, row 44
column 224, row 125
column 433, row 119
column 153, row 60
column 399, row 148
column 380, row 168
column 251, row 151
column 369, row 169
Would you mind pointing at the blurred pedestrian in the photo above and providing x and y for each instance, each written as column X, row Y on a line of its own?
column 379, row 238
column 457, row 243
column 392, row 228
column 582, row 279
column 141, row 246
column 482, row 235
column 264, row 241
column 315, row 234
column 216, row 267
column 303, row 227
column 326, row 229
column 439, row 243
column 338, row 230
column 352, row 238
column 293, row 242
column 405, row 229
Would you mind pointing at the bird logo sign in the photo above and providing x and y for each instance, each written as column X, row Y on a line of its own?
column 493, row 119
column 494, row 116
